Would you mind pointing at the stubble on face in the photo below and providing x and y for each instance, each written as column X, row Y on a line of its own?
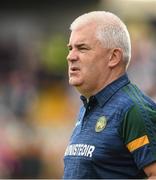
column 87, row 61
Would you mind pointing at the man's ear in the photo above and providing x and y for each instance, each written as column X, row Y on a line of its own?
column 116, row 57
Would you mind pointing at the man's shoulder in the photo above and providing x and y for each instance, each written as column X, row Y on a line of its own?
column 142, row 108
column 131, row 97
column 137, row 96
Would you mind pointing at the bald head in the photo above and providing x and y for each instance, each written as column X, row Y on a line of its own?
column 110, row 30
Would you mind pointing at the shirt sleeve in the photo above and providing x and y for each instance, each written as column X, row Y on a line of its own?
column 138, row 131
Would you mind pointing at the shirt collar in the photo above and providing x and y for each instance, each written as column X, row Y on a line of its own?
column 105, row 94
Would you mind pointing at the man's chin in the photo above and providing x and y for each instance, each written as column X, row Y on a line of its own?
column 74, row 83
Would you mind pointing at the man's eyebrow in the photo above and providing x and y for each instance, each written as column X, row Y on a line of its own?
column 78, row 45
column 81, row 44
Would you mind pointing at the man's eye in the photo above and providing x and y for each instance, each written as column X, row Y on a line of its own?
column 69, row 48
column 83, row 49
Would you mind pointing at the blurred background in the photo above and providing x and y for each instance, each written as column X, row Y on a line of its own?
column 38, row 108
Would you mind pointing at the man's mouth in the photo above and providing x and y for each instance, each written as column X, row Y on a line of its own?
column 73, row 69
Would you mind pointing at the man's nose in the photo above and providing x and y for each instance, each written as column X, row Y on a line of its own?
column 72, row 56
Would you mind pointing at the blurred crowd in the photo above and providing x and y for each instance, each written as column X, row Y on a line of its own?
column 37, row 106
column 142, row 70
column 37, row 110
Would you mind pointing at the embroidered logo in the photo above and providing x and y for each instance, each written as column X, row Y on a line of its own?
column 100, row 124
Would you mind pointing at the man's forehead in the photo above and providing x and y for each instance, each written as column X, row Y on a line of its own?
column 83, row 32
column 77, row 43
column 79, row 39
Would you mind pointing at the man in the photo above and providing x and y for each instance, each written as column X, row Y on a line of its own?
column 115, row 133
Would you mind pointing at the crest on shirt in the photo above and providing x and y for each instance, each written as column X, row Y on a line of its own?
column 100, row 124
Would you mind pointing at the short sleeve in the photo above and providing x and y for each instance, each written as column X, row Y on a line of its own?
column 138, row 131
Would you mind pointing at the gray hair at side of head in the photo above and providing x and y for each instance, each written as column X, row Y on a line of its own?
column 111, row 31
